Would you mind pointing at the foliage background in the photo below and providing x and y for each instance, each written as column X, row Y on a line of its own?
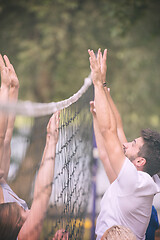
column 47, row 41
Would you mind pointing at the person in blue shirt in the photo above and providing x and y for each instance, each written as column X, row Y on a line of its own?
column 153, row 225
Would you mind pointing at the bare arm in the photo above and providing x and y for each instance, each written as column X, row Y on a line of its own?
column 13, row 96
column 101, row 146
column 33, row 225
column 99, row 138
column 105, row 116
column 4, row 95
column 116, row 113
column 120, row 130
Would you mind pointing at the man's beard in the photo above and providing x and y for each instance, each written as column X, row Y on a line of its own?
column 131, row 158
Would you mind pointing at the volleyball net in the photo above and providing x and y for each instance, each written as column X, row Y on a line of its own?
column 72, row 178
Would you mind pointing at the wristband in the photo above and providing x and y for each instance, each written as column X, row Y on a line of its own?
column 104, row 84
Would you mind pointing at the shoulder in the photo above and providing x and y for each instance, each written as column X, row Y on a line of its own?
column 145, row 184
column 128, row 170
column 145, row 179
column 1, row 195
column 127, row 178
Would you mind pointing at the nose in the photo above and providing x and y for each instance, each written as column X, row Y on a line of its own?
column 125, row 145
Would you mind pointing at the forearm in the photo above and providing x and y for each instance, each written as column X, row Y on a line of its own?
column 5, row 164
column 102, row 152
column 105, row 115
column 4, row 94
column 120, row 130
column 3, row 120
column 43, row 184
column 13, row 97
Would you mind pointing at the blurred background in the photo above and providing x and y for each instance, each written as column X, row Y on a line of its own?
column 47, row 42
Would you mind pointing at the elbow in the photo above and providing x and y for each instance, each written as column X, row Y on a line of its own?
column 2, row 140
column 102, row 155
column 7, row 143
column 108, row 131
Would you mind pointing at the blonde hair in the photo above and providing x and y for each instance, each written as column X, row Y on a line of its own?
column 118, row 232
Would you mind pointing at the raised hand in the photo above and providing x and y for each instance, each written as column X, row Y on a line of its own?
column 98, row 66
column 95, row 66
column 2, row 64
column 5, row 79
column 92, row 108
column 61, row 235
column 12, row 74
column 52, row 127
column 103, row 59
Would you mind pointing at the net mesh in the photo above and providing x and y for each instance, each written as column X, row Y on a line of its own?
column 70, row 193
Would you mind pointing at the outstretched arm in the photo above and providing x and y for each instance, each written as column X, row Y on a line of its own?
column 116, row 113
column 13, row 96
column 4, row 95
column 32, row 227
column 105, row 115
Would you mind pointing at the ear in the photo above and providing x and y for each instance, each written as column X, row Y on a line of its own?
column 140, row 162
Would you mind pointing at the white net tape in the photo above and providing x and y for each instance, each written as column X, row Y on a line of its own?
column 32, row 109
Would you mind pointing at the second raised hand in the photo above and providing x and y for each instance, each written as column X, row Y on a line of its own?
column 95, row 65
column 13, row 77
column 103, row 59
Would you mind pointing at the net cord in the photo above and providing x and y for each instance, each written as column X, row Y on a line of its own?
column 32, row 109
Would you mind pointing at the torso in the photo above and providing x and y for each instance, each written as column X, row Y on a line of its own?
column 1, row 195
column 7, row 195
column 128, row 202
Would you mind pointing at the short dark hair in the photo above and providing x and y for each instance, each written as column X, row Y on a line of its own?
column 150, row 151
column 9, row 221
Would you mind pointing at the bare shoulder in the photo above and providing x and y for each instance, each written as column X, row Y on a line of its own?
column 1, row 195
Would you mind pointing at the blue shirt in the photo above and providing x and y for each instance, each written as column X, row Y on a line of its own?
column 153, row 225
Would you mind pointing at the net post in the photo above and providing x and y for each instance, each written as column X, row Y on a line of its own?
column 94, row 173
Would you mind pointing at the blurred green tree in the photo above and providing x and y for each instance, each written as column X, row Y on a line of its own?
column 47, row 42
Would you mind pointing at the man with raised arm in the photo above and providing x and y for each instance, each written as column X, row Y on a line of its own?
column 129, row 166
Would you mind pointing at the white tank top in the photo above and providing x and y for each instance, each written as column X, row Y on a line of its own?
column 10, row 196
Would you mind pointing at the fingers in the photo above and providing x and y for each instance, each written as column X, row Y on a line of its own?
column 48, row 125
column 9, row 65
column 57, row 116
column 101, row 59
column 61, row 234
column 99, row 56
column 5, row 80
column 91, row 53
column 92, row 58
column 91, row 104
column 7, row 61
column 5, row 73
column 105, row 55
column 53, row 123
column 2, row 64
column 92, row 107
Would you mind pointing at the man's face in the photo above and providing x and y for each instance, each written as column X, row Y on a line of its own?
column 131, row 149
